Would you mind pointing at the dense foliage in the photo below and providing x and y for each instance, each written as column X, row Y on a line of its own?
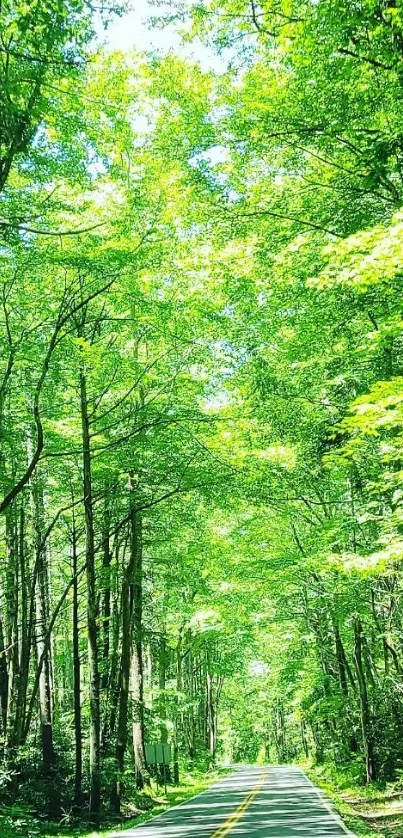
column 201, row 396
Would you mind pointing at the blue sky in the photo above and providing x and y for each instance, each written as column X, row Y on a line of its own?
column 133, row 31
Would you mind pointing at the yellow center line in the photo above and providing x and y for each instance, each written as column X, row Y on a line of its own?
column 236, row 816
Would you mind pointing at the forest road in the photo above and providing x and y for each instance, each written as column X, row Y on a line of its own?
column 268, row 802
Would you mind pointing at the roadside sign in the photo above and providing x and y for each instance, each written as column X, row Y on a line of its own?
column 159, row 754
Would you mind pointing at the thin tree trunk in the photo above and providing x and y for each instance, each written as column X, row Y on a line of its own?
column 127, row 610
column 364, row 704
column 162, row 704
column 163, row 658
column 25, row 646
column 189, row 689
column 42, row 609
column 340, row 656
column 78, row 774
column 45, row 693
column 304, row 738
column 92, row 612
column 113, row 685
column 211, row 724
column 12, row 634
column 106, row 599
column 137, row 675
column 178, row 715
column 3, row 679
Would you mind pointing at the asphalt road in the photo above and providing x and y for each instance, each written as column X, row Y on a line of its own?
column 270, row 802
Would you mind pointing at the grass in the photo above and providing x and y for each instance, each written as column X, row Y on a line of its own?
column 374, row 811
column 19, row 824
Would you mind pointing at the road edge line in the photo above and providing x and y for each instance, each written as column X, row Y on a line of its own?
column 123, row 833
column 328, row 806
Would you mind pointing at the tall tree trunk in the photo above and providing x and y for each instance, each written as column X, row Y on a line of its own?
column 12, row 633
column 127, row 612
column 25, row 646
column 317, row 738
column 92, row 611
column 189, row 689
column 45, row 691
column 78, row 774
column 366, row 725
column 106, row 597
column 137, row 675
column 178, row 720
column 163, row 660
column 211, row 717
column 3, row 679
column 304, row 737
column 162, row 703
column 114, row 674
column 42, row 609
column 341, row 659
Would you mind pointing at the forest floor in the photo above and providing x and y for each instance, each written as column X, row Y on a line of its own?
column 371, row 812
column 18, row 823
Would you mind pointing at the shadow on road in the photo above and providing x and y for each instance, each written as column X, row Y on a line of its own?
column 287, row 806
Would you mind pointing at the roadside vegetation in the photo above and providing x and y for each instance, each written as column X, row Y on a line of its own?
column 367, row 810
column 18, row 821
